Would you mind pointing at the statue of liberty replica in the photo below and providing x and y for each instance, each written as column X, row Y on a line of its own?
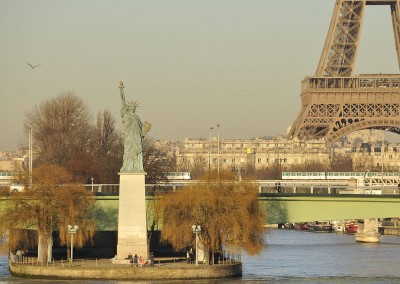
column 132, row 228
column 134, row 133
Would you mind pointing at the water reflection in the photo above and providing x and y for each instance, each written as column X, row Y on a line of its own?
column 306, row 255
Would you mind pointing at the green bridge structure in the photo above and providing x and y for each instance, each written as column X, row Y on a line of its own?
column 287, row 208
column 279, row 208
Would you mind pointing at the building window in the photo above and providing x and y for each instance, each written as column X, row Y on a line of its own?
column 259, row 160
column 233, row 160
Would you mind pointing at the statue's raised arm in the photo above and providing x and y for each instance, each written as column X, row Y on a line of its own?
column 121, row 91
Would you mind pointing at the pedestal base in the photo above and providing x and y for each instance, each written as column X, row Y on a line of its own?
column 132, row 227
column 368, row 232
column 368, row 237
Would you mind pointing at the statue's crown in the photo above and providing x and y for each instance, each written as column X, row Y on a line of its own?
column 132, row 104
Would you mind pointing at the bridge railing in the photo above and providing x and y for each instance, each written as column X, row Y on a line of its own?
column 273, row 187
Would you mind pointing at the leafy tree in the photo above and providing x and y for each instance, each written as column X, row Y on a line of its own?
column 227, row 211
column 52, row 204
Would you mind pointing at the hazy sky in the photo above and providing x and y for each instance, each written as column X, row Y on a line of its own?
column 190, row 64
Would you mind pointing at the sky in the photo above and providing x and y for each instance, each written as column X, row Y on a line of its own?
column 190, row 64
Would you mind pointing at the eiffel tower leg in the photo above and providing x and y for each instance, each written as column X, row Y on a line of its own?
column 395, row 9
column 341, row 44
column 334, row 102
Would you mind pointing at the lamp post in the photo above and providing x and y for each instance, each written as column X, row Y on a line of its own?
column 30, row 155
column 72, row 231
column 209, row 152
column 196, row 230
column 382, row 150
column 218, row 125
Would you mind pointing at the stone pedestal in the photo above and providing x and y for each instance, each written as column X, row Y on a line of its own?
column 369, row 232
column 132, row 228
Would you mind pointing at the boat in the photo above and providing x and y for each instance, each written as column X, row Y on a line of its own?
column 338, row 227
column 288, row 226
column 301, row 226
column 351, row 228
column 322, row 227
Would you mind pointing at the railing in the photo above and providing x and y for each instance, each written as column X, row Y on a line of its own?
column 373, row 81
column 372, row 186
column 229, row 258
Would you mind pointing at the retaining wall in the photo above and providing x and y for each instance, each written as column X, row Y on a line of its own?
column 123, row 272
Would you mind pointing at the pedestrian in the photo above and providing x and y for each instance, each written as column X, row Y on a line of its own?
column 187, row 257
column 191, row 255
column 151, row 259
column 135, row 260
column 19, row 255
column 140, row 261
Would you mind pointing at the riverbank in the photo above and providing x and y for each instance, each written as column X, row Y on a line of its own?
column 391, row 230
column 103, row 269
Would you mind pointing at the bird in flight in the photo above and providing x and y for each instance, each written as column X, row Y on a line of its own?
column 33, row 66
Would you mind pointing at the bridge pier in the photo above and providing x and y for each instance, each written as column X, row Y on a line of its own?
column 368, row 233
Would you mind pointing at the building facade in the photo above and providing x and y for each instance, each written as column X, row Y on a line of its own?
column 364, row 148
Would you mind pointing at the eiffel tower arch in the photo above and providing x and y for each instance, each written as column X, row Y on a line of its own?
column 334, row 102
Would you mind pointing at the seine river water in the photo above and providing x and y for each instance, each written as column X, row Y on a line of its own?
column 300, row 257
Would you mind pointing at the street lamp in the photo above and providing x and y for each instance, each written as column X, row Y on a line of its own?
column 382, row 150
column 218, row 125
column 196, row 230
column 72, row 231
column 209, row 152
column 30, row 155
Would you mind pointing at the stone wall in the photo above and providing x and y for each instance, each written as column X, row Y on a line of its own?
column 124, row 272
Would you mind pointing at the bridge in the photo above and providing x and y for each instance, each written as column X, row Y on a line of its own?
column 286, row 207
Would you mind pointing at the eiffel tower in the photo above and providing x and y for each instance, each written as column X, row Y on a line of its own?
column 335, row 102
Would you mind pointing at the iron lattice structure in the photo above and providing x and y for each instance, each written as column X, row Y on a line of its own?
column 334, row 101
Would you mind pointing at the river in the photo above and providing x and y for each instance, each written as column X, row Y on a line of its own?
column 301, row 257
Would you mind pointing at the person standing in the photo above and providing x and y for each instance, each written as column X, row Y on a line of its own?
column 151, row 259
column 135, row 260
column 187, row 257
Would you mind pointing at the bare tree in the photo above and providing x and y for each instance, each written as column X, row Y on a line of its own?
column 59, row 128
column 107, row 147
column 156, row 160
column 341, row 163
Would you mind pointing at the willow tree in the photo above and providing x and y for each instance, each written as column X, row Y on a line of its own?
column 51, row 204
column 226, row 209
